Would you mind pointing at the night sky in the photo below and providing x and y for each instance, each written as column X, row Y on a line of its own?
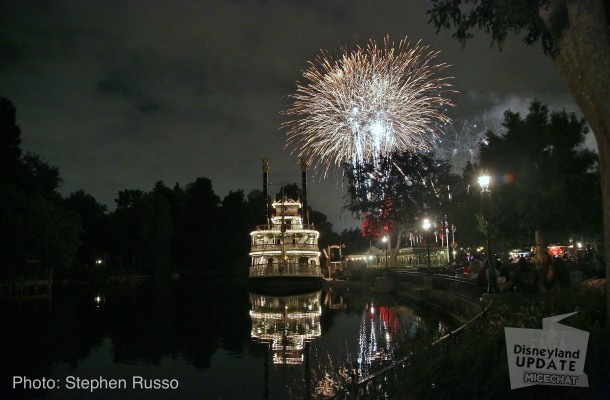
column 121, row 94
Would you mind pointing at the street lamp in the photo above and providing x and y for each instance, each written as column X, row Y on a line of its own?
column 385, row 239
column 484, row 181
column 426, row 225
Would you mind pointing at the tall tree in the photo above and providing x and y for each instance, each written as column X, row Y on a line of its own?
column 398, row 192
column 576, row 34
column 237, row 224
column 94, row 234
column 157, row 232
column 321, row 223
column 33, row 223
column 200, row 227
column 256, row 205
column 465, row 210
column 143, row 233
column 175, row 198
column 126, row 228
column 353, row 240
column 10, row 141
column 551, row 183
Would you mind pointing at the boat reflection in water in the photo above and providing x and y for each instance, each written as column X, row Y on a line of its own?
column 287, row 324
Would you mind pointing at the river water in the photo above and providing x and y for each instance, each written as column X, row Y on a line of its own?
column 200, row 340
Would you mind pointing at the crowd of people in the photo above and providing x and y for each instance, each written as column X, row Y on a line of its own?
column 522, row 274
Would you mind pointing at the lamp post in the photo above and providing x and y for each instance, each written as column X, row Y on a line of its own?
column 484, row 181
column 426, row 225
column 385, row 240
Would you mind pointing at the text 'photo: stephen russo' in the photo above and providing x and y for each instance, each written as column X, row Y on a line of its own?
column 92, row 384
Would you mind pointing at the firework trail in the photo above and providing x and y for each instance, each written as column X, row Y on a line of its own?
column 367, row 103
column 461, row 140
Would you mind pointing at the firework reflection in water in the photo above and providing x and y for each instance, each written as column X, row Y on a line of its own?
column 367, row 104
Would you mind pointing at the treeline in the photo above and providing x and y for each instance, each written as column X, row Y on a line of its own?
column 181, row 229
column 157, row 232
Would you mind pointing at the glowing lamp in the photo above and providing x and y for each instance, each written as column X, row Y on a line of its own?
column 484, row 181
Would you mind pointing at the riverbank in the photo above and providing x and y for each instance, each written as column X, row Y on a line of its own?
column 444, row 371
column 472, row 361
column 455, row 298
column 474, row 364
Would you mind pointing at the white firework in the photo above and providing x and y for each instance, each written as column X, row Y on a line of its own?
column 460, row 140
column 367, row 104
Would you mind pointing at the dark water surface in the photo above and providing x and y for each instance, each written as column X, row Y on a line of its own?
column 211, row 340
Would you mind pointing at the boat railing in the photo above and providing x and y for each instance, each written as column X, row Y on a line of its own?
column 285, row 269
column 288, row 247
column 278, row 227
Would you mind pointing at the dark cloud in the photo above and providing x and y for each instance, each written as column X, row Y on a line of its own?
column 9, row 53
column 120, row 94
column 114, row 87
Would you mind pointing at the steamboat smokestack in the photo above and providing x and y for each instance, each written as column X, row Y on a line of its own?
column 305, row 211
column 265, row 185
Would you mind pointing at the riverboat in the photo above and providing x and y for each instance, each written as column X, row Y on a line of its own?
column 285, row 256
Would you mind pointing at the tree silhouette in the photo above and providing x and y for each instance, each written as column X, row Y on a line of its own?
column 10, row 141
column 545, row 180
column 575, row 34
column 399, row 191
column 95, row 224
column 34, row 226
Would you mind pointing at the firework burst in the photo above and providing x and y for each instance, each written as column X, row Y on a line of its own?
column 461, row 140
column 367, row 103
